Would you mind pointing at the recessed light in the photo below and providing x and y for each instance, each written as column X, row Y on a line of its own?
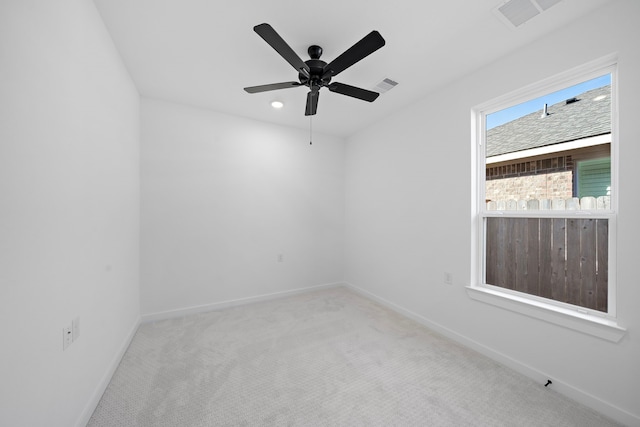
column 277, row 104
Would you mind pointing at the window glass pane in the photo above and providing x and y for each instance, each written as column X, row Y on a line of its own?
column 543, row 153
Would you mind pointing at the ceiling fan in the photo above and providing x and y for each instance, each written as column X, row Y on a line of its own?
column 315, row 73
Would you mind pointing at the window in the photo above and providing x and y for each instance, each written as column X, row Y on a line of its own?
column 546, row 201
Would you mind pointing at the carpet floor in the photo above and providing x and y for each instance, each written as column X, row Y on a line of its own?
column 324, row 358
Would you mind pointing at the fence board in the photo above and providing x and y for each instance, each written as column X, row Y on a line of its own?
column 602, row 280
column 588, row 263
column 588, row 202
column 558, row 257
column 503, row 240
column 520, row 253
column 573, row 261
column 492, row 253
column 558, row 205
column 603, row 202
column 533, row 256
column 546, row 249
column 510, row 247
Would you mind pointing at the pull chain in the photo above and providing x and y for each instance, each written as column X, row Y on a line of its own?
column 310, row 121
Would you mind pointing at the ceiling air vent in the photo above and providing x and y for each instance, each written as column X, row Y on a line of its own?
column 385, row 86
column 516, row 12
column 546, row 4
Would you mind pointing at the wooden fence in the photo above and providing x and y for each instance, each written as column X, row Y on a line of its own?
column 574, row 203
column 564, row 259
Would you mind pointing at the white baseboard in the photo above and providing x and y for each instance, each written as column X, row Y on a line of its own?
column 580, row 396
column 106, row 378
column 180, row 312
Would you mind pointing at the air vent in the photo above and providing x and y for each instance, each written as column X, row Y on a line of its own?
column 546, row 4
column 516, row 12
column 385, row 86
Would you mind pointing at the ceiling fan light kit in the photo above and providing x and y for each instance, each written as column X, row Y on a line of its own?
column 316, row 73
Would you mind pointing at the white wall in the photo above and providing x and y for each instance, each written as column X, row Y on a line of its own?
column 408, row 217
column 223, row 196
column 69, row 209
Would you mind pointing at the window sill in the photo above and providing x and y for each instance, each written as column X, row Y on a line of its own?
column 583, row 322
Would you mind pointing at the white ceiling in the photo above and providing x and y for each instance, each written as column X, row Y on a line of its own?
column 204, row 52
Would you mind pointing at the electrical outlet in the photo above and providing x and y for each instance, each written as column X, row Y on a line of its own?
column 448, row 278
column 67, row 337
column 75, row 329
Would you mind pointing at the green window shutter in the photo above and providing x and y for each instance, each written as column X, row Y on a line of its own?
column 594, row 177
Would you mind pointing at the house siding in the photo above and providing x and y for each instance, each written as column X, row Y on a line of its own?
column 548, row 178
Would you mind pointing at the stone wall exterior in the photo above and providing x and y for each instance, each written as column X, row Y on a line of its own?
column 555, row 185
column 539, row 179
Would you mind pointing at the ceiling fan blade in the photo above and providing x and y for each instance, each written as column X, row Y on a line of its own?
column 355, row 92
column 312, row 103
column 369, row 44
column 275, row 41
column 273, row 86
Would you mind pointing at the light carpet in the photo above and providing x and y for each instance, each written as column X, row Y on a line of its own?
column 325, row 358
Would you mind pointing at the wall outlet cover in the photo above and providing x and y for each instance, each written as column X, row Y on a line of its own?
column 448, row 278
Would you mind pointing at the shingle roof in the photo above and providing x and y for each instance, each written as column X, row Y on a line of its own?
column 567, row 121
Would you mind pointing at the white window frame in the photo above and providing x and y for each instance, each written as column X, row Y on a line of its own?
column 592, row 322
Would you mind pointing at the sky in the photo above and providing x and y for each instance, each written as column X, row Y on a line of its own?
column 508, row 114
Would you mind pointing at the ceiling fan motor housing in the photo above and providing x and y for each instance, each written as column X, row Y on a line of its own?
column 316, row 70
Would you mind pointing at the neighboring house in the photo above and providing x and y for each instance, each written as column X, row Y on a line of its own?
column 560, row 151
